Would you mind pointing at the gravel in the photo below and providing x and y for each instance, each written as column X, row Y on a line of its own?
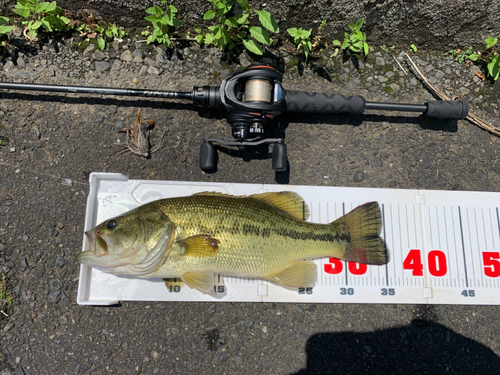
column 42, row 217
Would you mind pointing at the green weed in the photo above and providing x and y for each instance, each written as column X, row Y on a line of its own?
column 233, row 26
column 354, row 43
column 42, row 15
column 163, row 21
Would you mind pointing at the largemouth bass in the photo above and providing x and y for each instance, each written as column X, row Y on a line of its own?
column 263, row 235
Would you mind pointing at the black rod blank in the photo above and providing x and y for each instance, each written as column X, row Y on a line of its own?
column 96, row 90
column 396, row 107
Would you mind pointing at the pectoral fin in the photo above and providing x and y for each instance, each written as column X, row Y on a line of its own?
column 202, row 281
column 201, row 245
column 299, row 274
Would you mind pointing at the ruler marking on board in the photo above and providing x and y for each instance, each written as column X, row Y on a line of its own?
column 453, row 226
column 385, row 244
column 474, row 277
column 478, row 242
column 463, row 246
column 396, row 281
column 345, row 261
column 448, row 243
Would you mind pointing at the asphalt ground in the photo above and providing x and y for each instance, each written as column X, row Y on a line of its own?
column 55, row 141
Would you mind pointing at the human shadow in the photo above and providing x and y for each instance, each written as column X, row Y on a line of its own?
column 422, row 347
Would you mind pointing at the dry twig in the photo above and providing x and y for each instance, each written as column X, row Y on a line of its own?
column 471, row 117
column 137, row 138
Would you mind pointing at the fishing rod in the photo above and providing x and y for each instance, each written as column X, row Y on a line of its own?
column 252, row 98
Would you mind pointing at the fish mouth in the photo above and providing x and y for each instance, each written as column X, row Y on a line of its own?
column 98, row 247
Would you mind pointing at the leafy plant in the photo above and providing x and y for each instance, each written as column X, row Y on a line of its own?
column 40, row 15
column 386, row 49
column 463, row 55
column 489, row 57
column 4, row 28
column 233, row 26
column 114, row 31
column 492, row 57
column 5, row 297
column 356, row 41
column 317, row 38
column 301, row 38
column 163, row 21
column 413, row 47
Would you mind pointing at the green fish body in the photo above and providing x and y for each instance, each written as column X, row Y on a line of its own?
column 264, row 236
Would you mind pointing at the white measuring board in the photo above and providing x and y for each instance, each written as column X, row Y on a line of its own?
column 444, row 247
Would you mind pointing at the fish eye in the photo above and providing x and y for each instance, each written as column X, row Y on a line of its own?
column 111, row 224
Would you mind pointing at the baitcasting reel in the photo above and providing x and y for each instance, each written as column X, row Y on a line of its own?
column 252, row 97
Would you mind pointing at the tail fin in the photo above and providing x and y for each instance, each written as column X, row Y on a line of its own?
column 364, row 224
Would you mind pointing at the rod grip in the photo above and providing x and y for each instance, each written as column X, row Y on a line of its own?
column 312, row 102
column 452, row 109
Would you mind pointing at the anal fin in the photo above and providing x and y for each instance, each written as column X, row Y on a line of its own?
column 299, row 274
column 202, row 281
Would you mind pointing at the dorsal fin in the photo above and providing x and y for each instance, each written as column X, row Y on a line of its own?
column 213, row 194
column 288, row 201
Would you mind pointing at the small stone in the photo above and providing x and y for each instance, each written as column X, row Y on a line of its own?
column 60, row 262
column 222, row 358
column 98, row 55
column 382, row 79
column 143, row 70
column 439, row 75
column 429, row 68
column 153, row 70
column 19, row 370
column 67, row 182
column 22, row 264
column 54, row 297
column 394, row 86
column 21, row 63
column 137, row 53
column 380, row 61
column 496, row 167
column 55, row 284
column 116, row 65
column 464, row 90
column 238, row 360
column 90, row 48
column 137, row 59
column 392, row 184
column 367, row 349
column 9, row 65
column 244, row 60
column 119, row 125
column 102, row 65
column 358, row 176
column 126, row 56
column 64, row 298
column 149, row 61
